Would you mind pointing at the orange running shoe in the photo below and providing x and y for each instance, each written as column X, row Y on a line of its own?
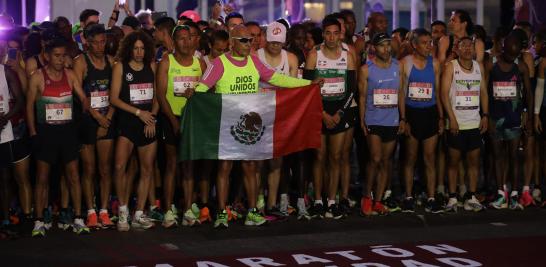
column 380, row 209
column 366, row 206
column 104, row 220
column 92, row 220
column 204, row 215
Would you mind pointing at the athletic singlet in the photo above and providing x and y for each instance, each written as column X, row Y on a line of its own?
column 505, row 96
column 137, row 87
column 282, row 68
column 464, row 95
column 55, row 105
column 96, row 85
column 18, row 124
column 6, row 133
column 421, row 92
column 382, row 98
column 181, row 78
column 334, row 72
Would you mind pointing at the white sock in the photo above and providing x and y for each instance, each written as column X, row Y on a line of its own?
column 123, row 208
column 152, row 207
column 331, row 202
column 514, row 193
column 90, row 211
column 318, row 201
column 103, row 211
column 504, row 187
column 525, row 188
column 500, row 192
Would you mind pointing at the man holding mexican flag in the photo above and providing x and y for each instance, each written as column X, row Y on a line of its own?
column 217, row 133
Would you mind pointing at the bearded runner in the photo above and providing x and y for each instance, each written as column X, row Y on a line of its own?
column 252, row 126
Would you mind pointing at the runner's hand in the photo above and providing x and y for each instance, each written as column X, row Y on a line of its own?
column 328, row 121
column 103, row 122
column 483, row 124
column 441, row 126
column 336, row 118
column 364, row 127
column 147, row 117
column 538, row 124
column 149, row 131
column 176, row 125
column 407, row 129
column 189, row 93
column 319, row 81
column 453, row 127
column 101, row 132
column 402, row 128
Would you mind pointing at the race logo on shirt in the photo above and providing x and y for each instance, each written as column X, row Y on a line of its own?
column 129, row 77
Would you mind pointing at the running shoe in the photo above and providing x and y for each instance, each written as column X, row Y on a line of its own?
column 221, row 219
column 408, row 205
column 156, row 215
column 275, row 214
column 440, row 199
column 302, row 210
column 79, row 227
column 379, row 208
column 104, row 220
column 65, row 219
column 499, row 202
column 345, row 206
column 169, row 219
column 39, row 229
column 48, row 219
column 92, row 220
column 433, row 206
column 391, row 203
column 123, row 221
column 537, row 195
column 232, row 214
column 514, row 203
column 526, row 199
column 452, row 205
column 14, row 217
column 204, row 215
column 472, row 204
column 317, row 211
column 254, row 218
column 333, row 212
column 366, row 206
column 144, row 222
column 195, row 209
column 189, row 218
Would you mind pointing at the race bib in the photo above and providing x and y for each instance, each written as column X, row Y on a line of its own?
column 467, row 100
column 420, row 91
column 183, row 83
column 141, row 93
column 99, row 100
column 384, row 98
column 504, row 90
column 58, row 113
column 333, row 87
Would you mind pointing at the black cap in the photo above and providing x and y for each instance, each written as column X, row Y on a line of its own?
column 380, row 37
column 132, row 22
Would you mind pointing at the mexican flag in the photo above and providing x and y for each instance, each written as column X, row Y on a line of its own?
column 251, row 126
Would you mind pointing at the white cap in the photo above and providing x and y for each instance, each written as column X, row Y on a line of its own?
column 276, row 32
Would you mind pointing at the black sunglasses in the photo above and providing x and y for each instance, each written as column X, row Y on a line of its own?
column 243, row 40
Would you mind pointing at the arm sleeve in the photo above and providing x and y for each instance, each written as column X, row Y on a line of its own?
column 281, row 80
column 539, row 95
column 309, row 74
column 211, row 76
